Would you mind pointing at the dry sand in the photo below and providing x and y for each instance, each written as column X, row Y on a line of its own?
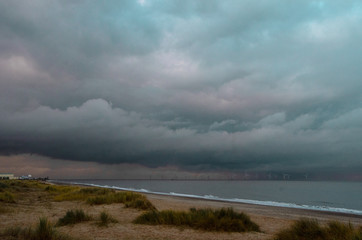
column 35, row 203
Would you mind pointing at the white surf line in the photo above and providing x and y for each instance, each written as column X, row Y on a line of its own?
column 232, row 200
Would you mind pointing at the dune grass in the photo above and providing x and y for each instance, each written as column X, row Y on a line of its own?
column 20, row 185
column 43, row 231
column 224, row 220
column 10, row 189
column 105, row 219
column 98, row 196
column 309, row 229
column 65, row 193
column 7, row 197
column 91, row 195
column 73, row 217
column 129, row 199
column 3, row 185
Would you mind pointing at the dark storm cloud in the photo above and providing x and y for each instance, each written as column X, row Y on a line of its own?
column 221, row 85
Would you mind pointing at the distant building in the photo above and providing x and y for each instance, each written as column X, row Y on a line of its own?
column 7, row 176
column 26, row 177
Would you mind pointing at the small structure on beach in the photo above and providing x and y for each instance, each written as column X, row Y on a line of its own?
column 7, row 176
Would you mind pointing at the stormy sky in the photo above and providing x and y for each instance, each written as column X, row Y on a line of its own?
column 188, row 85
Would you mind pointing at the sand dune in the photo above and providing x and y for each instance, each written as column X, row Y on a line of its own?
column 36, row 203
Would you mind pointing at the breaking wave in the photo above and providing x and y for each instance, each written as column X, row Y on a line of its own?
column 232, row 200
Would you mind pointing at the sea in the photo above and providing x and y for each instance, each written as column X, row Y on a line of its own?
column 342, row 197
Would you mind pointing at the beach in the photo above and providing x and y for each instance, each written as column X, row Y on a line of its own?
column 34, row 203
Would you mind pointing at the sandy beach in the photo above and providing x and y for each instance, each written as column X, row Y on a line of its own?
column 36, row 203
column 180, row 119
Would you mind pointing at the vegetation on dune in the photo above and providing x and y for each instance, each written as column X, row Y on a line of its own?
column 96, row 191
column 91, row 195
column 73, row 217
column 130, row 199
column 7, row 197
column 98, row 196
column 9, row 189
column 225, row 220
column 309, row 229
column 60, row 189
column 3, row 185
column 105, row 219
column 141, row 203
column 43, row 231
column 65, row 193
column 20, row 185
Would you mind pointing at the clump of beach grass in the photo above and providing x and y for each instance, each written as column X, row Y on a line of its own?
column 3, row 185
column 129, row 199
column 73, row 217
column 305, row 229
column 64, row 193
column 10, row 189
column 75, row 193
column 98, row 196
column 7, row 197
column 43, row 231
column 224, row 220
column 22, row 185
column 105, row 219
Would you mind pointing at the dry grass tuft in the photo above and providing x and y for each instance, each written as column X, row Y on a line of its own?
column 130, row 199
column 98, row 196
column 64, row 193
column 7, row 197
column 309, row 229
column 73, row 217
column 43, row 231
column 105, row 219
column 21, row 185
column 224, row 220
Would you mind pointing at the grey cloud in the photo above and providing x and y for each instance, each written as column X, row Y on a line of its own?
column 275, row 119
column 232, row 84
column 351, row 119
column 96, row 131
column 222, row 124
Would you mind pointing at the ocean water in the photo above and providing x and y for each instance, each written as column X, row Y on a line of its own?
column 325, row 196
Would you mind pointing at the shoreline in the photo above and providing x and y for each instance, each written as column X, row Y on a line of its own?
column 248, row 204
column 261, row 210
column 33, row 203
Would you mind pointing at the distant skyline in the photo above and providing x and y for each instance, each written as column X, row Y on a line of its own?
column 181, row 88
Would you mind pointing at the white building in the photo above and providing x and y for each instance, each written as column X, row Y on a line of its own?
column 7, row 176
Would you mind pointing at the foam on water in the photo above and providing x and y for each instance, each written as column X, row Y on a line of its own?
column 232, row 200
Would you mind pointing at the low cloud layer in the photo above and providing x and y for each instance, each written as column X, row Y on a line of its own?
column 232, row 85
